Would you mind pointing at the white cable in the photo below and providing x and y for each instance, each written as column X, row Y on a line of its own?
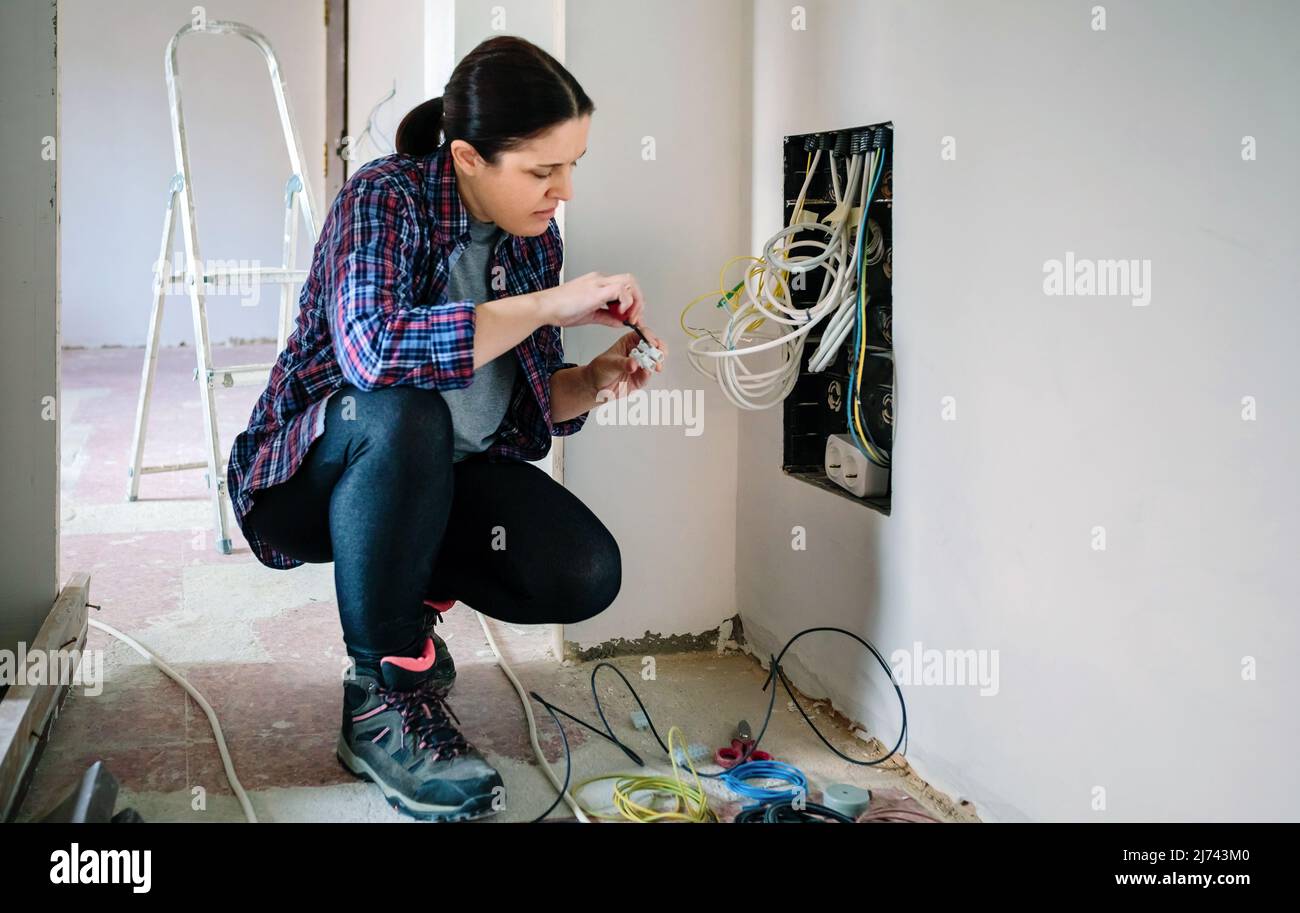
column 198, row 698
column 377, row 139
column 229, row 765
column 836, row 330
column 846, row 317
column 532, row 721
column 767, row 297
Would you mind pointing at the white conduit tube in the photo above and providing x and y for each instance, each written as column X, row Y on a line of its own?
column 193, row 692
column 532, row 721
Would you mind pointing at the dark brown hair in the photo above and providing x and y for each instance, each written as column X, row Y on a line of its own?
column 502, row 94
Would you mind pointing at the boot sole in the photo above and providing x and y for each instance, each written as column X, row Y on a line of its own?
column 479, row 807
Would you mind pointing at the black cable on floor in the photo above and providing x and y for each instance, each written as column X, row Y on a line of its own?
column 568, row 766
column 783, row 811
column 774, row 672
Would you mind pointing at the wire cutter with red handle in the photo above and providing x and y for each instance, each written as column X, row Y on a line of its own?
column 728, row 758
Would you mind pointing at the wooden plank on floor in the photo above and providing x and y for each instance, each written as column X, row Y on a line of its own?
column 27, row 710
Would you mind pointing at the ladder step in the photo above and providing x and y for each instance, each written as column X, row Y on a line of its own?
column 173, row 467
column 262, row 275
column 182, row 467
column 238, row 375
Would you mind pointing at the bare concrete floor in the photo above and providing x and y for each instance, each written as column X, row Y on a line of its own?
column 265, row 649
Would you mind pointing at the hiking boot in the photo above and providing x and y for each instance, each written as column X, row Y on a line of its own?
column 444, row 669
column 398, row 733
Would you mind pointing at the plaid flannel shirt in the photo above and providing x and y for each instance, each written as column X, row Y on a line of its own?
column 372, row 314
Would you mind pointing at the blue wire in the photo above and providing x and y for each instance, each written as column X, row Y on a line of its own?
column 857, row 322
column 736, row 778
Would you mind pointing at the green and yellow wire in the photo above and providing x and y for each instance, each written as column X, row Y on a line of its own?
column 691, row 807
column 727, row 299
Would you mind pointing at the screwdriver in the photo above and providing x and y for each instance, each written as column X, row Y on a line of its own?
column 628, row 323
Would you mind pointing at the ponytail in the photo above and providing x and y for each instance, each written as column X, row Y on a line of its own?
column 420, row 131
column 503, row 93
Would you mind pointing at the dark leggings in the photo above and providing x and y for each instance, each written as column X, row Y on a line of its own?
column 379, row 495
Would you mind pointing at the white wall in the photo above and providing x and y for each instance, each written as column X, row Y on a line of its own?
column 678, row 72
column 478, row 20
column 386, row 51
column 1119, row 669
column 118, row 156
column 668, row 498
column 29, row 162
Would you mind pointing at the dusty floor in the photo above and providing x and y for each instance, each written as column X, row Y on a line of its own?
column 265, row 647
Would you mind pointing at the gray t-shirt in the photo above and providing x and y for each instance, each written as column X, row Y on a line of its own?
column 477, row 410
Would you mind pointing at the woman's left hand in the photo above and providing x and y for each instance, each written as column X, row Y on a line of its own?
column 615, row 371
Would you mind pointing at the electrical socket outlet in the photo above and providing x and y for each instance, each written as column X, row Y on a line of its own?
column 849, row 468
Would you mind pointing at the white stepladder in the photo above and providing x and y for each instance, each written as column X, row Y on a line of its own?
column 197, row 278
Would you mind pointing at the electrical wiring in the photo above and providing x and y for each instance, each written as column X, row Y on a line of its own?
column 897, row 816
column 193, row 692
column 875, row 251
column 765, row 295
column 691, row 803
column 761, row 389
column 834, row 274
column 775, row 673
column 737, row 780
column 844, row 319
column 532, row 732
column 858, row 430
column 608, row 732
column 229, row 765
column 768, row 297
column 784, row 811
column 384, row 144
column 722, row 302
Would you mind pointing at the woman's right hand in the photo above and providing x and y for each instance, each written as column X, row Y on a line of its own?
column 593, row 298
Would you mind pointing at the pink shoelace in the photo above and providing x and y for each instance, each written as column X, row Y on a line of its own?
column 424, row 710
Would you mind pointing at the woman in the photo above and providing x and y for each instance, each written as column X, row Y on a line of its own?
column 432, row 310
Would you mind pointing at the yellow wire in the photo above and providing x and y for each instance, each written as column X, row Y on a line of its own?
column 692, row 805
column 861, row 357
column 862, row 354
column 727, row 298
